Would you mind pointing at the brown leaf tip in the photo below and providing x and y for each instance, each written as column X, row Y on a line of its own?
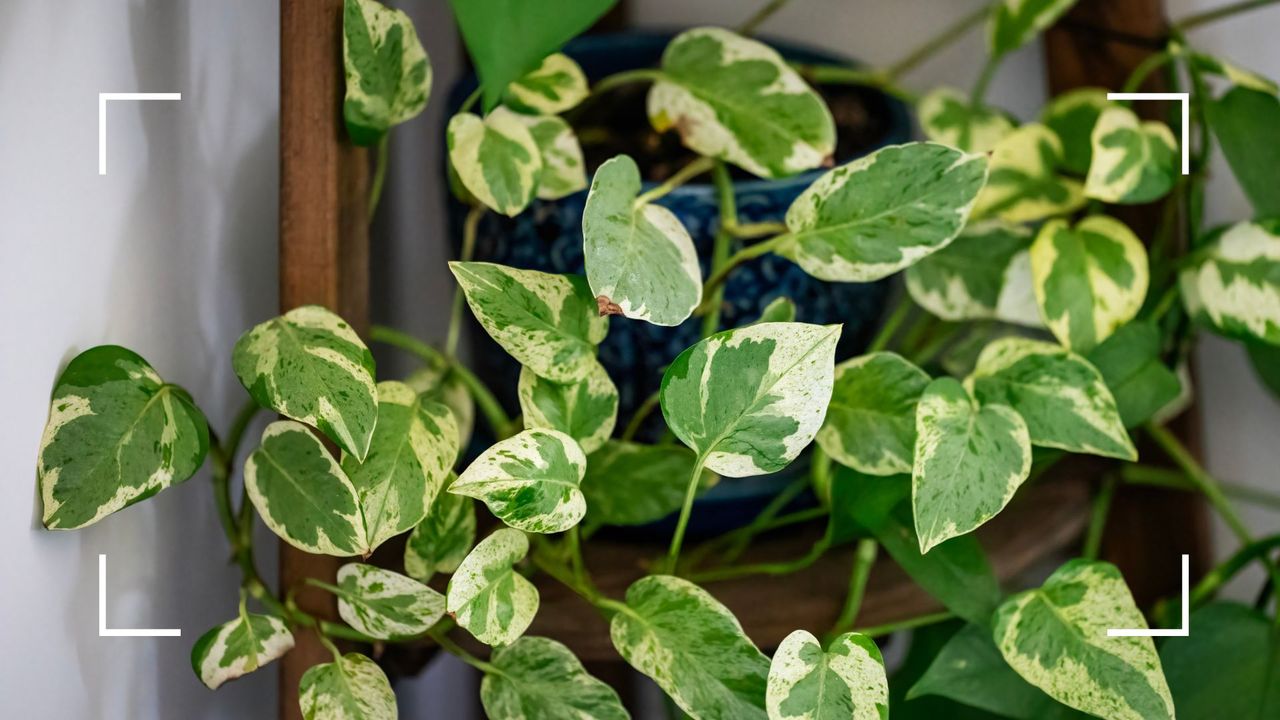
column 605, row 306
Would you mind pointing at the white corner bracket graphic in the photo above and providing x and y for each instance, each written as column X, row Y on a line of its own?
column 103, row 630
column 1184, row 99
column 102, row 118
column 1183, row 631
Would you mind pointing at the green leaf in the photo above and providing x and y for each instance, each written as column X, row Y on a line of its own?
column 311, row 366
column 638, row 255
column 632, row 484
column 871, row 422
column 302, row 493
column 947, row 117
column 388, row 72
column 555, row 86
column 984, row 273
column 1245, row 123
column 1089, row 279
column 386, row 605
column 564, row 172
column 780, row 309
column 1266, row 365
column 352, row 687
column 736, row 99
column 1015, row 23
column 1133, row 162
column 693, row 648
column 117, row 434
column 1233, row 284
column 749, row 400
column 1071, row 116
column 1024, row 184
column 487, row 596
column 442, row 539
column 496, row 158
column 529, row 481
column 1130, row 364
column 1062, row 398
column 925, row 644
column 1236, row 74
column 537, row 678
column 585, row 410
column 845, row 681
column 238, row 647
column 1228, row 667
column 443, row 385
column 548, row 323
column 1055, row 637
column 969, row 461
column 879, row 214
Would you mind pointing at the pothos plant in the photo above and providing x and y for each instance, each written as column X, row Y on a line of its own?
column 1035, row 325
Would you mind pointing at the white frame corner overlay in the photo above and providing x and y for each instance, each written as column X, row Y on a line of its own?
column 1183, row 631
column 103, row 630
column 1184, row 99
column 102, row 118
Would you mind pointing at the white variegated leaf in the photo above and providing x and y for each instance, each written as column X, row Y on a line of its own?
column 537, row 678
column 487, row 596
column 384, row 604
column 564, row 172
column 1015, row 23
column 1233, row 73
column 984, row 273
column 558, row 84
column 442, row 539
column 846, row 681
column 388, row 73
column 496, row 159
column 1233, row 285
column 238, row 647
column 947, row 117
column 1071, row 116
column 1024, row 184
column 585, row 411
column 530, row 481
column 352, row 687
column 871, row 422
column 443, row 385
column 1133, row 161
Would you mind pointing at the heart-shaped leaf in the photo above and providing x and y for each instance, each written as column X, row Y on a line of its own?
column 443, row 385
column 1133, row 162
column 238, row 647
column 487, row 596
column 1233, row 285
column 564, row 172
column 442, row 539
column 1071, row 116
column 871, row 422
column 585, row 411
column 1014, row 23
column 384, row 604
column 496, row 159
column 947, row 117
column 984, row 273
column 555, row 86
column 388, row 72
column 529, row 481
column 1130, row 364
column 844, row 681
column 351, row 687
column 632, row 484
column 1024, row 184
column 537, row 678
column 1244, row 121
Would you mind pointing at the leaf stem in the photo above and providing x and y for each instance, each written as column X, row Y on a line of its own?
column 891, row 324
column 864, row 557
column 456, row 650
column 626, row 77
column 680, row 177
column 1200, row 478
column 641, row 414
column 1150, row 64
column 1098, row 518
column 984, row 81
column 908, row 624
column 720, row 249
column 719, row 276
column 1226, row 11
column 749, row 27
column 945, row 37
column 673, row 552
column 1174, row 479
column 576, row 563
column 471, row 101
column 469, row 228
column 763, row 520
column 774, row 568
column 379, row 174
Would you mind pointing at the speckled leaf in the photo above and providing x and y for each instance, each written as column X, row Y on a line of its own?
column 1233, row 285
column 443, row 385
column 693, row 648
column 548, row 323
column 1064, row 400
column 1234, row 73
column 563, row 170
column 352, row 687
column 947, row 117
column 442, row 539
column 1055, row 637
column 116, row 435
column 1024, row 183
column 632, row 484
column 238, row 647
column 557, row 85
column 1130, row 364
column 871, row 422
column 302, row 493
column 984, row 273
column 1133, row 162
column 309, row 365
column 1015, row 23
column 736, row 99
column 1228, row 667
column 388, row 73
column 880, row 213
column 497, row 159
column 845, row 682
column 537, row 678
column 585, row 411
column 384, row 604
column 1071, row 116
column 780, row 309
column 487, row 596
column 749, row 400
column 1089, row 279
column 529, row 481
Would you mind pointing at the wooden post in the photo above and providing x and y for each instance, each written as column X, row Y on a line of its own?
column 324, row 244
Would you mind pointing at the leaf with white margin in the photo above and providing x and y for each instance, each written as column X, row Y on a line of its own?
column 844, row 682
column 497, row 159
column 443, row 385
column 487, row 596
column 984, row 273
column 1234, row 73
column 442, row 539
column 116, row 435
column 1233, row 284
column 548, row 323
column 302, row 493
column 1014, row 23
column 1055, row 637
column 530, row 481
column 749, row 400
column 693, row 648
column 736, row 99
column 388, row 73
column 1133, row 162
column 1072, row 116
column 384, row 604
column 1089, row 279
column 238, row 647
column 414, row 445
column 879, row 214
column 947, row 117
column 352, row 687
column 1062, row 398
column 638, row 255
column 585, row 411
column 564, row 172
column 629, row 483
column 536, row 678
column 871, row 422
column 1024, row 184
column 311, row 366
column 969, row 461
column 555, row 86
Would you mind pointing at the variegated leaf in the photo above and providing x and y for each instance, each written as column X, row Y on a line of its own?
column 1062, row 398
column 585, row 410
column 693, row 648
column 496, row 158
column 352, row 687
column 1234, row 283
column 384, row 604
column 1071, row 116
column 844, row 682
column 749, row 400
column 116, row 435
column 537, row 678
column 311, row 366
column 1233, row 73
column 881, row 213
column 632, row 484
column 871, row 423
column 563, row 170
column 555, row 86
column 1138, row 379
column 736, row 99
column 984, row 273
column 487, row 596
column 947, row 117
column 1024, row 184
column 1015, row 23
column 529, row 481
column 238, row 647
column 1089, row 279
column 1055, row 637
column 1133, row 161
column 548, row 323
column 302, row 493
column 443, row 385
column 388, row 72
column 969, row 461
column 442, row 539
column 638, row 255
